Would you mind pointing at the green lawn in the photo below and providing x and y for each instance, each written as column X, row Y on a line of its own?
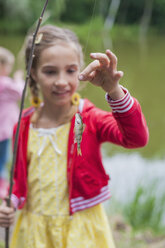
column 1, row 244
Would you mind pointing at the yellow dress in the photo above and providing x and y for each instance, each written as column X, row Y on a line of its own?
column 45, row 222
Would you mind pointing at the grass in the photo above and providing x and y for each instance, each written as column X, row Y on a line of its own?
column 146, row 210
column 1, row 244
column 138, row 223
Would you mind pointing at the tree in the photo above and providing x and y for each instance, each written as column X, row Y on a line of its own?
column 146, row 18
column 109, row 22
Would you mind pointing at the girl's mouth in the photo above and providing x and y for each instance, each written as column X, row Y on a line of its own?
column 60, row 93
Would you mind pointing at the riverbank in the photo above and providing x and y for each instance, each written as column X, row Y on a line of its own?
column 125, row 237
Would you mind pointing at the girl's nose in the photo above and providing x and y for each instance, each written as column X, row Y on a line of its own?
column 61, row 81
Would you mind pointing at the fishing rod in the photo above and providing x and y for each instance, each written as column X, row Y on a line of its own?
column 20, row 114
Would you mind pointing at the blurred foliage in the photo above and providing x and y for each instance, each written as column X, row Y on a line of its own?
column 158, row 17
column 19, row 15
column 78, row 11
column 146, row 209
column 1, row 244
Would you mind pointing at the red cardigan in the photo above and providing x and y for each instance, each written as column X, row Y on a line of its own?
column 87, row 180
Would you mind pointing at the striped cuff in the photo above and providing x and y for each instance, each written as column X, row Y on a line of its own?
column 123, row 105
column 15, row 201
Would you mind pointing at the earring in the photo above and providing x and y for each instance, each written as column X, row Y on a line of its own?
column 75, row 99
column 35, row 101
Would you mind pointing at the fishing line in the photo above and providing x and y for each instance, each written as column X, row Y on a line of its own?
column 90, row 30
column 107, row 2
column 108, row 46
column 81, row 86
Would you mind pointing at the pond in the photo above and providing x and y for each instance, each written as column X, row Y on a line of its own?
column 144, row 76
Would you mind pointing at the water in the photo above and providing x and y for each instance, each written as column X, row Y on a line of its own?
column 127, row 172
column 144, row 76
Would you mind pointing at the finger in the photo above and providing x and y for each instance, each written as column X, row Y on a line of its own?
column 6, row 224
column 89, row 69
column 6, row 210
column 102, row 57
column 91, row 76
column 7, row 220
column 118, row 75
column 112, row 58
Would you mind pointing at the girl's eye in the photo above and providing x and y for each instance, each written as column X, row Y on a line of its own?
column 50, row 72
column 70, row 71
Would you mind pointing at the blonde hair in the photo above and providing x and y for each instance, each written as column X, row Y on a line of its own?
column 6, row 57
column 48, row 36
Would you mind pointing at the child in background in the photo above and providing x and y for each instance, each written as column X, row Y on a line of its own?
column 10, row 93
column 60, row 192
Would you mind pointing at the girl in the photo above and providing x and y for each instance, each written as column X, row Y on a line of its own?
column 10, row 93
column 59, row 191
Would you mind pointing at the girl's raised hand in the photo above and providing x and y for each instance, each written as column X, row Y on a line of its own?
column 103, row 72
column 7, row 215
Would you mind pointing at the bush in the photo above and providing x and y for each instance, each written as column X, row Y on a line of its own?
column 146, row 209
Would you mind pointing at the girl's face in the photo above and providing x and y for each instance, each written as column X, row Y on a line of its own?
column 57, row 73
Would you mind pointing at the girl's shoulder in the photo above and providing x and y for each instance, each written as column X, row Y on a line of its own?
column 88, row 108
column 25, row 118
column 85, row 106
column 28, row 112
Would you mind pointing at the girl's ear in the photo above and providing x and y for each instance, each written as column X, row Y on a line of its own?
column 33, row 74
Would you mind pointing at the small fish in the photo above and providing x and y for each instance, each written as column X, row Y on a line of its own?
column 78, row 130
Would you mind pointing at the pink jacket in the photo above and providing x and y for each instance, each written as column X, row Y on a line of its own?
column 87, row 179
column 10, row 93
